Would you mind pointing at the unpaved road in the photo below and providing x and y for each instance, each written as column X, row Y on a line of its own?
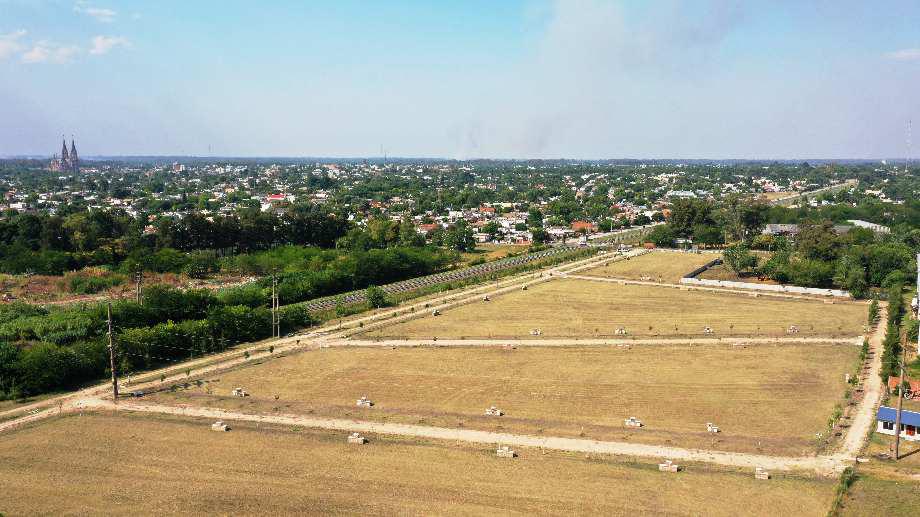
column 739, row 341
column 824, row 465
column 864, row 418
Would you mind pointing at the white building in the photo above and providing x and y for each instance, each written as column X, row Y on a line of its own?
column 910, row 423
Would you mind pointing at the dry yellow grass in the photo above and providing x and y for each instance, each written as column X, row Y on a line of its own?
column 490, row 252
column 135, row 465
column 660, row 266
column 886, row 487
column 773, row 196
column 585, row 308
column 872, row 495
column 756, row 394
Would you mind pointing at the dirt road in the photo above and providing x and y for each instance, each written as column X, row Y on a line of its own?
column 739, row 341
column 864, row 418
column 822, row 465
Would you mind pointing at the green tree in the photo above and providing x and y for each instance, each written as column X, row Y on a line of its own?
column 460, row 237
column 739, row 258
column 663, row 236
column 376, row 297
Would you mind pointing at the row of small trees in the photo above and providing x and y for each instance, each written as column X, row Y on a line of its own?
column 47, row 349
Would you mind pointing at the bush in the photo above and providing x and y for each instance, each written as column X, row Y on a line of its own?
column 894, row 278
column 873, row 312
column 44, row 367
column 740, row 259
column 376, row 297
column 91, row 281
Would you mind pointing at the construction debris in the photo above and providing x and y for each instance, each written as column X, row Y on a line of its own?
column 239, row 392
column 668, row 466
column 632, row 422
column 494, row 411
column 505, row 452
column 356, row 439
column 364, row 402
column 220, row 426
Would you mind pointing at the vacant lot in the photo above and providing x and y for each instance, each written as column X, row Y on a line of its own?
column 660, row 266
column 584, row 308
column 140, row 465
column 756, row 394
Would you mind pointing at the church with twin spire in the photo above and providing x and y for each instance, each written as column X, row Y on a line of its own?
column 68, row 161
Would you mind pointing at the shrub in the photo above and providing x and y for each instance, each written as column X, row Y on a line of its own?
column 376, row 297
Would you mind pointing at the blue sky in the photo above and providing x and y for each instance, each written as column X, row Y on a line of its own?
column 461, row 79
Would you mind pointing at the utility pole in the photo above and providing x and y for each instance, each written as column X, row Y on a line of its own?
column 897, row 418
column 138, row 278
column 112, row 356
column 276, row 319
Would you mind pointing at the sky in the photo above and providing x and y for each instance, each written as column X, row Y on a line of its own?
column 580, row 79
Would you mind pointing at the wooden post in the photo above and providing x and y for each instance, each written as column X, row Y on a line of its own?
column 112, row 355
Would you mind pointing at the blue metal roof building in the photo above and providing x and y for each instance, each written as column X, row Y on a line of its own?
column 887, row 414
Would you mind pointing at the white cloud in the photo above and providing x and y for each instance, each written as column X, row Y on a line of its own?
column 10, row 44
column 905, row 54
column 103, row 44
column 46, row 52
column 101, row 14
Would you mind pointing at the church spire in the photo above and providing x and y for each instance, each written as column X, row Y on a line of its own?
column 74, row 160
column 64, row 155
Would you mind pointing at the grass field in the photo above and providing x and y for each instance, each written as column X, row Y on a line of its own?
column 756, row 394
column 97, row 464
column 490, row 252
column 773, row 196
column 661, row 266
column 871, row 495
column 584, row 308
column 884, row 486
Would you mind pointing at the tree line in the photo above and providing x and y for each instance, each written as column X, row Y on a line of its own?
column 819, row 254
column 48, row 349
column 52, row 244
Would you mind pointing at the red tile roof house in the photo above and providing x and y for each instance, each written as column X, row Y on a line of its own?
column 578, row 226
column 894, row 381
column 425, row 229
column 486, row 210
